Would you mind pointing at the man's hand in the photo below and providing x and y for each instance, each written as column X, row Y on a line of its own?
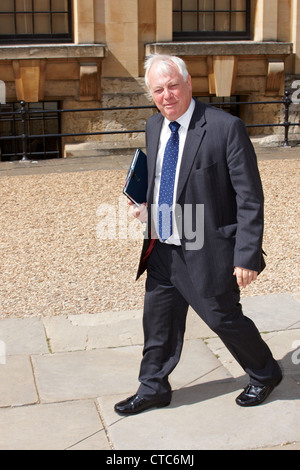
column 244, row 276
column 140, row 213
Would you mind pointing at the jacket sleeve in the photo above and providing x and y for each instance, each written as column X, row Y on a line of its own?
column 245, row 178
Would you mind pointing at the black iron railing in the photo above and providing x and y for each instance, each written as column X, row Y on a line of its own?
column 23, row 114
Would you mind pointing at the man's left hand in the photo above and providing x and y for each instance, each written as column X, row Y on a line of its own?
column 244, row 276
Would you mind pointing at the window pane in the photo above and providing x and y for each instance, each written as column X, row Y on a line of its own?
column 7, row 5
column 222, row 4
column 189, row 5
column 23, row 5
column 51, row 105
column 238, row 5
column 238, row 22
column 7, row 24
column 60, row 23
column 51, row 144
column 222, row 22
column 176, row 4
column 189, row 21
column 41, row 5
column 206, row 4
column 177, row 22
column 51, row 125
column 42, row 23
column 36, row 107
column 24, row 24
column 206, row 22
column 59, row 5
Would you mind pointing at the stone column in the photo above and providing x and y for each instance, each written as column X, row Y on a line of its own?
column 266, row 20
column 164, row 20
column 121, row 26
column 295, row 30
column 84, row 22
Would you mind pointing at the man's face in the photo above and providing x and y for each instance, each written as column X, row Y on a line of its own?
column 171, row 94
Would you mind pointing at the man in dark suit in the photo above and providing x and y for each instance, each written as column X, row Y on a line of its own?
column 201, row 165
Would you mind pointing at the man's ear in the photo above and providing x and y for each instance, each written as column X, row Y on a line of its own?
column 189, row 81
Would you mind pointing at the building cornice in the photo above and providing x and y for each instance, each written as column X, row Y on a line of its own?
column 223, row 48
column 51, row 51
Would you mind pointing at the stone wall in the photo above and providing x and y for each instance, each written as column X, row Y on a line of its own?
column 104, row 68
column 116, row 93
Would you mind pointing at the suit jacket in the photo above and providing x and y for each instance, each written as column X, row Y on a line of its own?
column 218, row 171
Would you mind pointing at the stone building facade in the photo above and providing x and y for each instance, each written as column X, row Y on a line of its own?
column 72, row 54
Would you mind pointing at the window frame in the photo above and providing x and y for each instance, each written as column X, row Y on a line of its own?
column 214, row 35
column 11, row 149
column 13, row 39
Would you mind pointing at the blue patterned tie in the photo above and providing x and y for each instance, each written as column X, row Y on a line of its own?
column 166, row 191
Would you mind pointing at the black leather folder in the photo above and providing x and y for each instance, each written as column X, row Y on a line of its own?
column 136, row 183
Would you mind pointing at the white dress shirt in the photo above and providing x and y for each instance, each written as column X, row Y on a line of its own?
column 184, row 122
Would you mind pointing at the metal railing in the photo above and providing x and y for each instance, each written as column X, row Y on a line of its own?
column 23, row 115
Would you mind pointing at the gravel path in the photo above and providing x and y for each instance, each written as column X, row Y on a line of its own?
column 55, row 258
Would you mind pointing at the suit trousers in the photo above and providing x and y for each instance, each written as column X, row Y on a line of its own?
column 169, row 293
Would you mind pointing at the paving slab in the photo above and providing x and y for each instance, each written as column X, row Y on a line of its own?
column 296, row 296
column 285, row 346
column 59, row 426
column 86, row 332
column 107, row 330
column 197, row 363
column 273, row 312
column 205, row 417
column 269, row 312
column 17, row 387
column 86, row 374
column 23, row 335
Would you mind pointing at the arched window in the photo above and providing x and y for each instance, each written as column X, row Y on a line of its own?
column 211, row 19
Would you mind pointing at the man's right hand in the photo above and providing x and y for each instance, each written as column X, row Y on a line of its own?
column 140, row 213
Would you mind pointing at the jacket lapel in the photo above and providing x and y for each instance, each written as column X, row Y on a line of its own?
column 153, row 136
column 193, row 141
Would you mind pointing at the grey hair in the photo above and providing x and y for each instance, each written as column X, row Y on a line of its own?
column 166, row 62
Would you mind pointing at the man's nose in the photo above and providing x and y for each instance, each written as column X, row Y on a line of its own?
column 167, row 93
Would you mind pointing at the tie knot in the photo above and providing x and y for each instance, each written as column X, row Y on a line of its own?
column 174, row 126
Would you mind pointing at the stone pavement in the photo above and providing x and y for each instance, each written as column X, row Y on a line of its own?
column 61, row 376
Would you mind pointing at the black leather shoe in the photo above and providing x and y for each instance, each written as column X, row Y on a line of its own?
column 136, row 404
column 254, row 395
